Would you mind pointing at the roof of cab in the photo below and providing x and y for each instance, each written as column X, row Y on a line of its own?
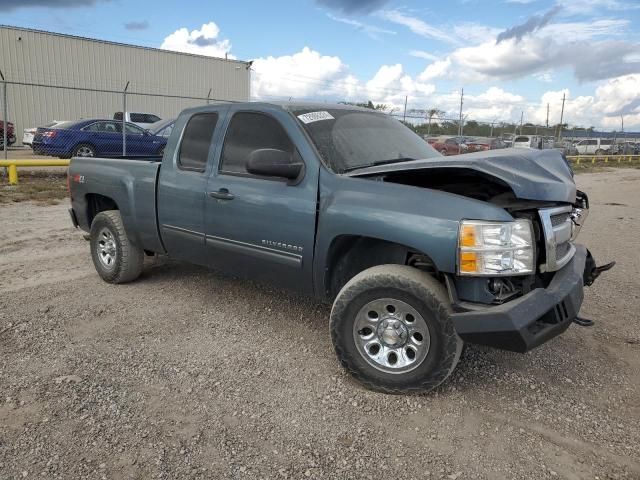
column 289, row 106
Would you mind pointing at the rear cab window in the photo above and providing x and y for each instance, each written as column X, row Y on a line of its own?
column 196, row 141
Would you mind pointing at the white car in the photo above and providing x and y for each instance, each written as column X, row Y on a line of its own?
column 595, row 146
column 28, row 133
column 143, row 120
column 528, row 141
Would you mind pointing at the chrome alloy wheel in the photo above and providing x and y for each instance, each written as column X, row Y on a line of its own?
column 84, row 152
column 391, row 335
column 107, row 248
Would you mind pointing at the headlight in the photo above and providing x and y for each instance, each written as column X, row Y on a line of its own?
column 495, row 248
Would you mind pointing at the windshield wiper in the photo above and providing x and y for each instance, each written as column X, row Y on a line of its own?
column 379, row 162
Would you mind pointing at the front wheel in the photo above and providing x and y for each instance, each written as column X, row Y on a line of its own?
column 391, row 329
column 116, row 259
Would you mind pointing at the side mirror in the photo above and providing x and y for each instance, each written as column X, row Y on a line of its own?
column 270, row 162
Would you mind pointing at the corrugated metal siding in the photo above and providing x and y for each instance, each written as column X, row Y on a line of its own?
column 66, row 61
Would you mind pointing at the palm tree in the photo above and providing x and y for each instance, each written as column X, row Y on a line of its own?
column 433, row 112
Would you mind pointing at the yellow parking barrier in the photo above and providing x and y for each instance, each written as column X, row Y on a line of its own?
column 14, row 164
column 578, row 159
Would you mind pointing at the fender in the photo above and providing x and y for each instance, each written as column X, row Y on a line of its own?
column 423, row 219
column 131, row 187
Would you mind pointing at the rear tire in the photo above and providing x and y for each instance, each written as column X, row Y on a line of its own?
column 116, row 259
column 391, row 330
column 84, row 150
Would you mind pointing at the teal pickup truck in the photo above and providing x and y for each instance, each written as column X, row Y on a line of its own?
column 417, row 252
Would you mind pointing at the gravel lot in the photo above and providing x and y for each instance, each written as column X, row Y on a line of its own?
column 189, row 374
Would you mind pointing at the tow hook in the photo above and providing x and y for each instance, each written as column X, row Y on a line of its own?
column 591, row 272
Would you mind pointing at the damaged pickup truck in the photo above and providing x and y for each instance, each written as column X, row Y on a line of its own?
column 418, row 253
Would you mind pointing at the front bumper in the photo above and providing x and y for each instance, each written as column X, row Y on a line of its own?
column 528, row 321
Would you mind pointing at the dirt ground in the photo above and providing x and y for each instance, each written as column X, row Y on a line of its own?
column 189, row 374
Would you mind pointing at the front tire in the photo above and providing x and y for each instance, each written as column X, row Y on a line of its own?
column 391, row 329
column 116, row 259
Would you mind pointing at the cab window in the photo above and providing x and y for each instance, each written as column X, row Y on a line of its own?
column 247, row 132
column 196, row 142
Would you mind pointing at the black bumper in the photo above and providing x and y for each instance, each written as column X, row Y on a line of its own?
column 531, row 320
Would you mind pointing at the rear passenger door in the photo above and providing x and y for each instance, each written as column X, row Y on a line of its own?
column 183, row 183
column 257, row 227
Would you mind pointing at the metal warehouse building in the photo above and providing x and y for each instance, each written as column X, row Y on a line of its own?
column 51, row 76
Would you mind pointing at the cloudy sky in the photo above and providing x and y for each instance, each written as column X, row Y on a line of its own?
column 510, row 56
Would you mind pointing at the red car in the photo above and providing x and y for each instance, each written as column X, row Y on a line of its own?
column 485, row 143
column 11, row 137
column 449, row 146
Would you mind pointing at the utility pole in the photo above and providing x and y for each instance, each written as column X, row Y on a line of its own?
column 561, row 117
column 460, row 124
column 124, row 119
column 547, row 116
column 521, row 119
column 5, row 117
column 404, row 115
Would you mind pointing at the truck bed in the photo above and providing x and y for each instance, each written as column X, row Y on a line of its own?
column 130, row 182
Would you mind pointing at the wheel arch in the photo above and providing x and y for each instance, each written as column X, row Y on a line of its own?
column 348, row 255
column 97, row 203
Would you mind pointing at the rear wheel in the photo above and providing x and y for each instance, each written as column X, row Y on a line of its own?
column 116, row 259
column 84, row 150
column 391, row 330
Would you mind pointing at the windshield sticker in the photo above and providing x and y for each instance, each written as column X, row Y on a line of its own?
column 315, row 117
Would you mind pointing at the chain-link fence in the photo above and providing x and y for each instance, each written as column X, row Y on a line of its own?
column 62, row 95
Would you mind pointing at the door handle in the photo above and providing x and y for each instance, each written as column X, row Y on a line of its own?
column 222, row 194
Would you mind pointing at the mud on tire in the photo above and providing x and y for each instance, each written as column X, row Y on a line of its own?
column 412, row 293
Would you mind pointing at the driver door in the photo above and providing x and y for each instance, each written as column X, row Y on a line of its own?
column 257, row 227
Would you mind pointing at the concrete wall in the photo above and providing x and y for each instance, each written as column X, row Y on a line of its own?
column 41, row 61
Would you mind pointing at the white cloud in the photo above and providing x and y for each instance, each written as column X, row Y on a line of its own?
column 423, row 54
column 204, row 41
column 370, row 30
column 573, row 46
column 417, row 26
column 437, row 69
column 309, row 74
column 590, row 7
column 303, row 74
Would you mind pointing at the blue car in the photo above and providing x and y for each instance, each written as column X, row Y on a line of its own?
column 95, row 138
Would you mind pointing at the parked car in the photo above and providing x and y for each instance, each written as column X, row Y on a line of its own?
column 629, row 148
column 485, row 143
column 95, row 137
column 29, row 133
column 528, row 141
column 163, row 128
column 449, row 145
column 141, row 119
column 507, row 138
column 352, row 207
column 595, row 146
column 11, row 136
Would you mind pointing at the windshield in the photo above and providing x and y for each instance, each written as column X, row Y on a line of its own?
column 352, row 139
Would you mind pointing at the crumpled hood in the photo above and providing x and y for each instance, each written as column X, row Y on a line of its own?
column 532, row 174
